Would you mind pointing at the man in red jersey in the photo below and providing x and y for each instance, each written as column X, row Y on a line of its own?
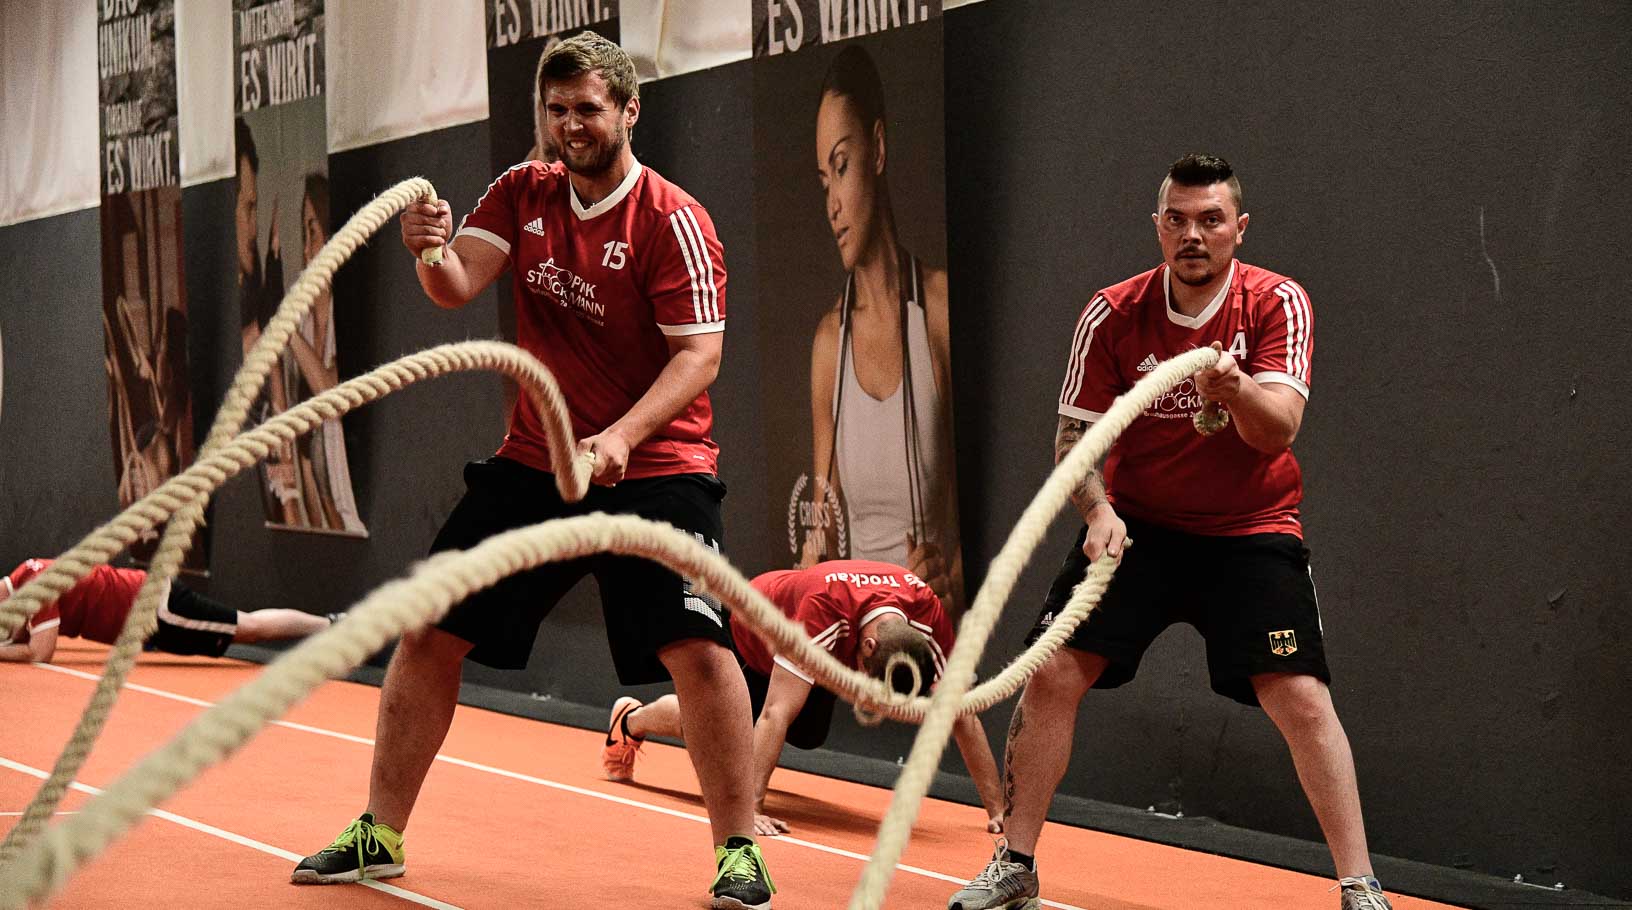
column 97, row 607
column 1215, row 517
column 620, row 290
column 863, row 613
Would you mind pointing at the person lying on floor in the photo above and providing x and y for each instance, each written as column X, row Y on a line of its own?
column 189, row 622
column 863, row 613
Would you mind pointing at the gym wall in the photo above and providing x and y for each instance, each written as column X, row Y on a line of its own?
column 1447, row 182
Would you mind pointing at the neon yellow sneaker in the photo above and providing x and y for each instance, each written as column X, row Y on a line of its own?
column 364, row 850
column 742, row 882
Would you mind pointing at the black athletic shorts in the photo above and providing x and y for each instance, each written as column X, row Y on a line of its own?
column 1252, row 598
column 190, row 623
column 810, row 725
column 646, row 606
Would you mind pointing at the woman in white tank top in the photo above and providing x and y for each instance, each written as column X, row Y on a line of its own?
column 881, row 395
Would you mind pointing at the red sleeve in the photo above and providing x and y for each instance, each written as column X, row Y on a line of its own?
column 827, row 624
column 49, row 616
column 930, row 618
column 494, row 218
column 686, row 274
column 1092, row 380
column 1286, row 338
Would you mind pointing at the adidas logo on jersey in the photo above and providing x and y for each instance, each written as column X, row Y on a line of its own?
column 1148, row 364
column 536, row 226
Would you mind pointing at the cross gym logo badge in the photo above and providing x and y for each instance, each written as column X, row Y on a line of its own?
column 816, row 526
column 1283, row 642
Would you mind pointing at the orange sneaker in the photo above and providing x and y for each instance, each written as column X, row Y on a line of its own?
column 618, row 758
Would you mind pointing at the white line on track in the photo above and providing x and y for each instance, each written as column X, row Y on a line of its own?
column 229, row 836
column 526, row 778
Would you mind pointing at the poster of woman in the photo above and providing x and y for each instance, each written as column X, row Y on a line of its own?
column 852, row 240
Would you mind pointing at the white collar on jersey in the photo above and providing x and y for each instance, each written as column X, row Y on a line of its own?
column 1200, row 319
column 612, row 198
column 875, row 613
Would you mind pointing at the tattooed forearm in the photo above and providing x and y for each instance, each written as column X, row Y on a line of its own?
column 1091, row 492
column 1016, row 723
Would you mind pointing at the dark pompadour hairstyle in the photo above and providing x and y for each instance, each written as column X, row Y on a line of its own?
column 1201, row 170
column 588, row 52
column 853, row 75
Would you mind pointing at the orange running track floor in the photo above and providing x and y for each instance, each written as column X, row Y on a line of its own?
column 516, row 814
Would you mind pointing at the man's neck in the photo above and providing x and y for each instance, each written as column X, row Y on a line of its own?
column 591, row 190
column 1191, row 300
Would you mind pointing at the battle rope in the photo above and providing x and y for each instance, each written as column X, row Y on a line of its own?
column 44, row 865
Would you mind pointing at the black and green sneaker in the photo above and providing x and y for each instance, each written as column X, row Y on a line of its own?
column 741, row 882
column 363, row 850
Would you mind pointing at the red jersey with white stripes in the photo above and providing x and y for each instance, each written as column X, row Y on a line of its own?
column 1161, row 470
column 95, row 608
column 597, row 290
column 833, row 600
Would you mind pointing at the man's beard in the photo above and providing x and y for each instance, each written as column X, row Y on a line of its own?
column 598, row 162
column 1206, row 276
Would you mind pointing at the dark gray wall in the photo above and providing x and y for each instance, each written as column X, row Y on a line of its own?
column 1444, row 182
column 1442, row 178
column 56, row 460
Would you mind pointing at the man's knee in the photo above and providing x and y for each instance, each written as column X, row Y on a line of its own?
column 697, row 657
column 1294, row 699
column 431, row 645
column 1066, row 676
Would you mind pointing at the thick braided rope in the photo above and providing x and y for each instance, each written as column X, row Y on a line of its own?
column 178, row 534
column 206, row 475
column 46, row 865
column 245, row 385
column 978, row 623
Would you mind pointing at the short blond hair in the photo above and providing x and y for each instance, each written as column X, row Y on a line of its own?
column 894, row 637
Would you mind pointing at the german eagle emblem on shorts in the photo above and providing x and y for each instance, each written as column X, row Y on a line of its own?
column 1283, row 642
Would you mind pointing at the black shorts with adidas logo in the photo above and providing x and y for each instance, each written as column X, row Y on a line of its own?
column 646, row 606
column 1251, row 597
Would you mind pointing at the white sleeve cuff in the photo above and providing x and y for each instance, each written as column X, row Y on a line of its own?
column 1067, row 410
column 1284, row 379
column 696, row 328
column 489, row 236
column 788, row 666
column 48, row 624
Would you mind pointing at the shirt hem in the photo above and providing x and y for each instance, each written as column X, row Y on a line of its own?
column 541, row 462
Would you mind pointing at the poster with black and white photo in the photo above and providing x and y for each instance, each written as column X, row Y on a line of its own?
column 519, row 32
column 144, row 303
column 850, row 224
column 281, row 220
